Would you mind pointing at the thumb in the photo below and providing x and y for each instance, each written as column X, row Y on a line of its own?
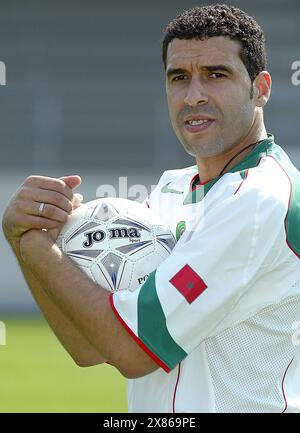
column 77, row 200
column 72, row 181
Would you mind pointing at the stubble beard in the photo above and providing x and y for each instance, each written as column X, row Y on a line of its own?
column 206, row 149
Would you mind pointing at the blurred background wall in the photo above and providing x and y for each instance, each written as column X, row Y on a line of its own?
column 85, row 94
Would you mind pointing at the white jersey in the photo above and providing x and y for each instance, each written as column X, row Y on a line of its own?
column 221, row 315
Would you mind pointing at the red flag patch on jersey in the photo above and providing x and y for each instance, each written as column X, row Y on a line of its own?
column 188, row 283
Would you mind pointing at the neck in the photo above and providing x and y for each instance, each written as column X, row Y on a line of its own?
column 211, row 167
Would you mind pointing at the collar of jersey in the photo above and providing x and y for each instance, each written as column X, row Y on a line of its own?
column 198, row 190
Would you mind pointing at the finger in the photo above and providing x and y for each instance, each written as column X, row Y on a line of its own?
column 72, row 181
column 77, row 206
column 77, row 200
column 54, row 198
column 53, row 213
column 49, row 183
column 34, row 222
column 50, row 212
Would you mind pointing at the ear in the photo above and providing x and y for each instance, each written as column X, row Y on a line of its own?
column 262, row 88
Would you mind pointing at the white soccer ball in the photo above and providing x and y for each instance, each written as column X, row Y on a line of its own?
column 117, row 242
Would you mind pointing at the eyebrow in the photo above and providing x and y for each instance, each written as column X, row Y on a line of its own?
column 217, row 68
column 177, row 71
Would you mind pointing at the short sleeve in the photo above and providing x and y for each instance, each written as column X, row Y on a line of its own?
column 196, row 290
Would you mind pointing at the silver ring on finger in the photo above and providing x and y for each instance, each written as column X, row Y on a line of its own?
column 41, row 209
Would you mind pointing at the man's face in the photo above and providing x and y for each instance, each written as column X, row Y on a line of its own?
column 209, row 94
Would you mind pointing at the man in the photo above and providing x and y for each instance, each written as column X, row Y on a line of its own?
column 211, row 330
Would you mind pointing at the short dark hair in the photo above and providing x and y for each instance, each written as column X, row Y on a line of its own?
column 221, row 20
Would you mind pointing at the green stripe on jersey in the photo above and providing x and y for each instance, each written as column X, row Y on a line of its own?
column 243, row 174
column 199, row 192
column 292, row 222
column 250, row 161
column 152, row 328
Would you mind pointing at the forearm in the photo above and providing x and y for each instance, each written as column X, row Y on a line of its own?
column 85, row 304
column 82, row 301
column 83, row 353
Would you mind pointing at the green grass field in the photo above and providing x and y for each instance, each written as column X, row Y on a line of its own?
column 37, row 375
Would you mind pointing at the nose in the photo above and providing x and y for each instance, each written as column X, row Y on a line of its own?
column 196, row 94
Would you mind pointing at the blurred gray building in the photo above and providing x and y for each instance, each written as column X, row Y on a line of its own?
column 85, row 94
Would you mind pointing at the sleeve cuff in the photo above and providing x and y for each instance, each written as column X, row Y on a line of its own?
column 137, row 340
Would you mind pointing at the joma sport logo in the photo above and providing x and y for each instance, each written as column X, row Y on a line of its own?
column 119, row 232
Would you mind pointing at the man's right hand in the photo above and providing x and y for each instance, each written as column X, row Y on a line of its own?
column 22, row 212
column 21, row 215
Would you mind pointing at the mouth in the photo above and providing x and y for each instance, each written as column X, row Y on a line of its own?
column 197, row 125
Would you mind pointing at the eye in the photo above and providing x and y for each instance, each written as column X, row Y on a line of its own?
column 179, row 77
column 217, row 75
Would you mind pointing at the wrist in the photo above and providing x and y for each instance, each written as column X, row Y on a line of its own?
column 7, row 231
column 34, row 243
column 14, row 241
